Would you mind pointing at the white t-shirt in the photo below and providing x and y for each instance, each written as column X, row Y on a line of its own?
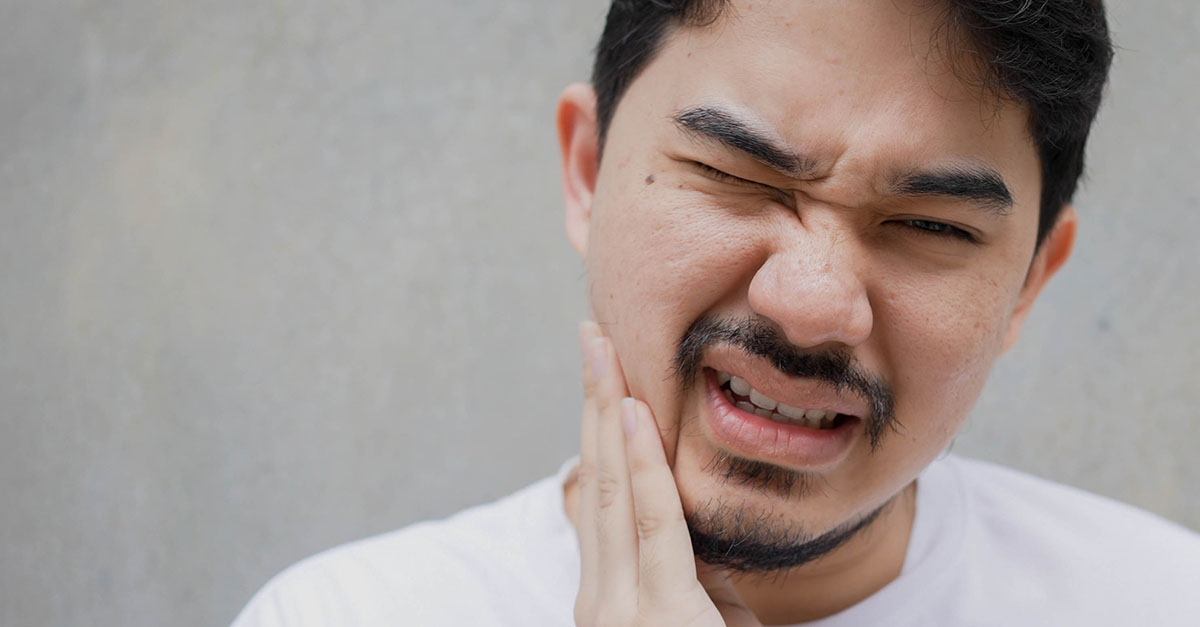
column 989, row 546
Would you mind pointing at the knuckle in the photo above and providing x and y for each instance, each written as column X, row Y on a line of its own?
column 585, row 474
column 608, row 487
column 648, row 526
column 603, row 402
column 640, row 467
column 652, row 525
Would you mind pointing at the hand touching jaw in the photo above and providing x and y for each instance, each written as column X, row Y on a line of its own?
column 635, row 536
column 637, row 563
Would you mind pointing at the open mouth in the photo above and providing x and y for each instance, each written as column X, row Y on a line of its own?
column 744, row 397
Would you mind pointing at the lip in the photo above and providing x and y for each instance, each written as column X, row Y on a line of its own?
column 767, row 380
column 766, row 440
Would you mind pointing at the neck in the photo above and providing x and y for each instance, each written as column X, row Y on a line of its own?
column 848, row 575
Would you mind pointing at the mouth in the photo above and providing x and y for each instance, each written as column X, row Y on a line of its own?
column 742, row 419
column 744, row 397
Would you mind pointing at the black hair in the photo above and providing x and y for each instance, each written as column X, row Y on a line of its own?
column 1051, row 55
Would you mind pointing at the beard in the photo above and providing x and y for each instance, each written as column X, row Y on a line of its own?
column 745, row 539
column 749, row 541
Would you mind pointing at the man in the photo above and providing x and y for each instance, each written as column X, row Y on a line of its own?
column 810, row 228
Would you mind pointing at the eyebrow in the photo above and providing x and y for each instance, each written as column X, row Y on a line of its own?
column 723, row 127
column 975, row 183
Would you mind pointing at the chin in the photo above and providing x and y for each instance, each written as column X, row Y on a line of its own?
column 754, row 518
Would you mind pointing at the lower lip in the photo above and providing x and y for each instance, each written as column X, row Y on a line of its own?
column 768, row 440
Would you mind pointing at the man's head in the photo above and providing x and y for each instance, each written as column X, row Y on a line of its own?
column 840, row 204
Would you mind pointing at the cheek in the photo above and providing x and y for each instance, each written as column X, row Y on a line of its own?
column 660, row 256
column 941, row 336
column 656, row 246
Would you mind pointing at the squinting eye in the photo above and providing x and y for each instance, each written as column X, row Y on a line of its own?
column 722, row 176
column 940, row 229
column 778, row 195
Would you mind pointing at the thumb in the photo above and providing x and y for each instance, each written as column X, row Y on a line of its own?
column 719, row 587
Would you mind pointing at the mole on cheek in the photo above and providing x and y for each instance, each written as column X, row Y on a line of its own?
column 649, row 179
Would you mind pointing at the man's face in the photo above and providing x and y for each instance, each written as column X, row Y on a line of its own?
column 888, row 246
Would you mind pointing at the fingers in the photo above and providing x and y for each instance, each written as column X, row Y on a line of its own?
column 636, row 554
column 608, row 540
column 614, row 515
column 586, row 514
column 666, row 564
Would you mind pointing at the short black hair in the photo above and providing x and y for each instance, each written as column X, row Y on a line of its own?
column 1051, row 55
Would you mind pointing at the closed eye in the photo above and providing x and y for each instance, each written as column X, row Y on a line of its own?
column 939, row 229
column 782, row 197
column 722, row 176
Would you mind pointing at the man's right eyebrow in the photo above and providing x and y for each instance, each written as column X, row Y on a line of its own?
column 716, row 124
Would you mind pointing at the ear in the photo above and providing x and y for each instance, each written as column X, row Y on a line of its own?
column 576, row 120
column 1052, row 255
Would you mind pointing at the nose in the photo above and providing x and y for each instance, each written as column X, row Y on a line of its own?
column 812, row 288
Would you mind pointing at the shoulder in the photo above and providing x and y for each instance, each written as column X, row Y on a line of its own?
column 462, row 569
column 1063, row 546
column 1010, row 500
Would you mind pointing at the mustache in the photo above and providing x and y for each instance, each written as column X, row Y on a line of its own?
column 760, row 338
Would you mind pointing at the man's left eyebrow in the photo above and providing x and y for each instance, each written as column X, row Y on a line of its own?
column 977, row 184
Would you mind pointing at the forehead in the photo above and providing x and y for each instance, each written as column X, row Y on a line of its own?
column 864, row 88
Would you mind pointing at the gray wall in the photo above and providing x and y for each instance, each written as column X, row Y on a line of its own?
column 277, row 275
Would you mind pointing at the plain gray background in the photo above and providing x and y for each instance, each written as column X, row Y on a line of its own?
column 278, row 274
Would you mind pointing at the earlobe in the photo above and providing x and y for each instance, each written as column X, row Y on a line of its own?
column 1051, row 257
column 578, row 141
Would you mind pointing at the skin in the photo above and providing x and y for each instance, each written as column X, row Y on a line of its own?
column 833, row 259
column 635, row 552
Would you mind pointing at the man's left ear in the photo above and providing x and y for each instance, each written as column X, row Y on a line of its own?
column 1049, row 258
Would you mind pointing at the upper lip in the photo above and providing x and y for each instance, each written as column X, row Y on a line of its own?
column 805, row 393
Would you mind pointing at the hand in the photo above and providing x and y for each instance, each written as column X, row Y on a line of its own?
column 638, row 566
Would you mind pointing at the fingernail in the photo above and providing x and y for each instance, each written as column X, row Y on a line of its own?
column 598, row 356
column 628, row 416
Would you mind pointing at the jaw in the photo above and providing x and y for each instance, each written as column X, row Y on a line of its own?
column 806, row 493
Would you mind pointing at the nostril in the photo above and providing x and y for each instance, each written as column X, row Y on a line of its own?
column 814, row 301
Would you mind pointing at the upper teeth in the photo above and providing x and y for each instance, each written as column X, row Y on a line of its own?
column 739, row 386
column 766, row 406
column 762, row 401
